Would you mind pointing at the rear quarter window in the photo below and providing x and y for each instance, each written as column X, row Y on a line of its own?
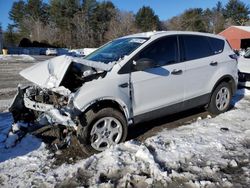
column 217, row 45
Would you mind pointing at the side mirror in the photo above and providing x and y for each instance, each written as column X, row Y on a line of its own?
column 143, row 64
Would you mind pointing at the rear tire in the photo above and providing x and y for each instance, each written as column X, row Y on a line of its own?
column 98, row 131
column 220, row 99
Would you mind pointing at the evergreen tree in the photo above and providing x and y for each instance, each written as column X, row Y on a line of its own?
column 37, row 10
column 146, row 20
column 101, row 17
column 88, row 7
column 62, row 13
column 218, row 18
column 236, row 12
column 10, row 37
column 17, row 12
column 193, row 20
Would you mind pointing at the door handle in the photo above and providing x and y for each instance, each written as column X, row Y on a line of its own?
column 176, row 72
column 123, row 85
column 214, row 63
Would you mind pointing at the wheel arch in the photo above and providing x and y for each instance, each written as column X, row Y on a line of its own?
column 108, row 102
column 226, row 78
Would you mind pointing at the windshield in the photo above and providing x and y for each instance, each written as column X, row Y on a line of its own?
column 116, row 49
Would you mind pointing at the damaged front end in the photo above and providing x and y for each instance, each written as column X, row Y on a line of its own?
column 44, row 106
column 50, row 99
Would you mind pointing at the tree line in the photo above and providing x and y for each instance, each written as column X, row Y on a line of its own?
column 91, row 23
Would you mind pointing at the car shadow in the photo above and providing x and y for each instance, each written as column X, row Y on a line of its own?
column 158, row 71
column 240, row 93
column 24, row 146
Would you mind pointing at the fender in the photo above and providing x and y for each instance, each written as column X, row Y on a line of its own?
column 105, row 89
column 121, row 104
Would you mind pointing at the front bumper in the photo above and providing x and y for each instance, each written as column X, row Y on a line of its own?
column 244, row 77
column 22, row 104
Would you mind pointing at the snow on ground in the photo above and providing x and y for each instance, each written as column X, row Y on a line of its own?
column 16, row 58
column 4, row 104
column 213, row 152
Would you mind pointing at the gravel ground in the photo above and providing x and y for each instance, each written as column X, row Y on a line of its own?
column 10, row 78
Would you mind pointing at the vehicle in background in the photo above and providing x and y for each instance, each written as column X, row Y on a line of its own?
column 81, row 52
column 76, row 53
column 51, row 51
column 244, row 69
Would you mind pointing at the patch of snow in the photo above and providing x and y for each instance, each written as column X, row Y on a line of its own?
column 11, row 58
column 198, row 152
column 202, row 154
column 23, row 165
column 233, row 163
column 10, row 132
column 4, row 104
column 5, row 127
column 7, row 90
column 62, row 91
column 11, row 140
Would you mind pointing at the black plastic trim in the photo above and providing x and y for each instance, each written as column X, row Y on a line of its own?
column 168, row 110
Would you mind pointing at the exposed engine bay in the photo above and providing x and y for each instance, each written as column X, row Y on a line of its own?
column 46, row 96
column 77, row 74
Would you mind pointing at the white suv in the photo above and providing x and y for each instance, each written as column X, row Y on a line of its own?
column 129, row 80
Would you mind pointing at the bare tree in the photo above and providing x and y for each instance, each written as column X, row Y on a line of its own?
column 83, row 33
column 35, row 27
column 173, row 23
column 122, row 23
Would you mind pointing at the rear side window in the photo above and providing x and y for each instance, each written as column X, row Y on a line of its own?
column 217, row 45
column 195, row 47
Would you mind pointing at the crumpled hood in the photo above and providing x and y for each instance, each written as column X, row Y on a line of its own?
column 49, row 73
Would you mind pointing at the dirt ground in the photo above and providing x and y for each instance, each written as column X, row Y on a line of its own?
column 9, row 79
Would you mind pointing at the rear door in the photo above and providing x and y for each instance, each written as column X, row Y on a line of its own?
column 200, row 63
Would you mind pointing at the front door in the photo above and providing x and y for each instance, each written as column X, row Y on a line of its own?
column 156, row 88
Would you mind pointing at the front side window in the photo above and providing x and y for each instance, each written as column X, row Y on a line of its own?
column 162, row 52
column 195, row 47
column 116, row 49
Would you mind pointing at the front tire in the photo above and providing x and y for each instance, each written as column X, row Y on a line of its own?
column 220, row 99
column 100, row 130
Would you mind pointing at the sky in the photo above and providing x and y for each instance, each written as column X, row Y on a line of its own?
column 165, row 9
